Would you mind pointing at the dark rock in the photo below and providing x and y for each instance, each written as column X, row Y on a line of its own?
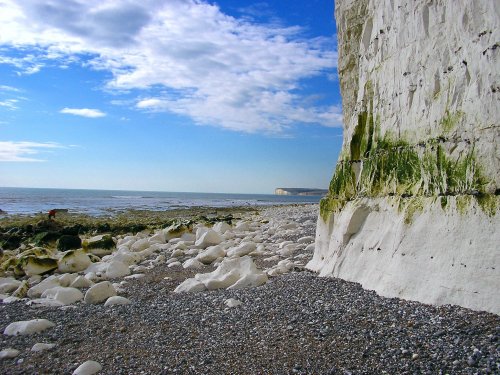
column 10, row 241
column 72, row 230
column 106, row 242
column 68, row 242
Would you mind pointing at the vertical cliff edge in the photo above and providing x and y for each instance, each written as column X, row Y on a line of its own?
column 413, row 206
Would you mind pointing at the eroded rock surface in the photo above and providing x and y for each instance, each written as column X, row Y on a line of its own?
column 413, row 206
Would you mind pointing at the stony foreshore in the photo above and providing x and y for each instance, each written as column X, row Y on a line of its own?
column 295, row 322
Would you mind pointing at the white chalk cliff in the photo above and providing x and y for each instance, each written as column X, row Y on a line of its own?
column 413, row 206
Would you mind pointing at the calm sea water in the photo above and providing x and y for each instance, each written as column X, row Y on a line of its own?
column 105, row 202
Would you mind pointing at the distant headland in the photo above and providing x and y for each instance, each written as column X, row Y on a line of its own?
column 299, row 191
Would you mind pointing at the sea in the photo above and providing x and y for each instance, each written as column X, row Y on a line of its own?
column 27, row 201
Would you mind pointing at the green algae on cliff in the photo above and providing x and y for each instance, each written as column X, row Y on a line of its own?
column 387, row 167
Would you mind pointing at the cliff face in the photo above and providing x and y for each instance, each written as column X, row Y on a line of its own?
column 413, row 206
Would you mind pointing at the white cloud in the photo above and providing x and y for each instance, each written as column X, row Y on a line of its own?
column 10, row 104
column 214, row 68
column 9, row 88
column 84, row 112
column 23, row 151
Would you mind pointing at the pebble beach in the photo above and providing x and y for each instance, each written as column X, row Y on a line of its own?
column 265, row 315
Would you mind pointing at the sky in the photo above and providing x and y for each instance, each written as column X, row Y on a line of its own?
column 230, row 96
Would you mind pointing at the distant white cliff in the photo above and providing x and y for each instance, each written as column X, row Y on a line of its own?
column 413, row 207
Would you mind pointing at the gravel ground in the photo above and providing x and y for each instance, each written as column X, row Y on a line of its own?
column 296, row 323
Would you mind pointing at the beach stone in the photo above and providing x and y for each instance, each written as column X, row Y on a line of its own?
column 306, row 239
column 33, row 265
column 40, row 347
column 27, row 327
column 100, row 245
column 243, row 249
column 242, row 226
column 8, row 284
column 211, row 254
column 158, row 237
column 74, row 261
column 190, row 285
column 88, row 368
column 9, row 353
column 231, row 302
column 99, row 292
column 65, row 295
column 208, row 238
column 192, row 263
column 67, row 279
column 177, row 230
column 68, row 242
column 310, row 247
column 81, row 282
column 117, row 269
column 116, row 300
column 221, row 227
column 22, row 290
column 126, row 257
column 231, row 273
column 37, row 290
column 140, row 245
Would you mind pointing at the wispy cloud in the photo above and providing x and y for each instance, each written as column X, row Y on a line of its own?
column 84, row 112
column 9, row 88
column 216, row 69
column 10, row 104
column 24, row 151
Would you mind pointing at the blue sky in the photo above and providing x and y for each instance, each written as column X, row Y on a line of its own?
column 173, row 95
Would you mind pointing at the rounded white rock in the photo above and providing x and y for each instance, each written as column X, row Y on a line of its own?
column 65, row 295
column 88, row 368
column 117, row 269
column 41, row 346
column 231, row 302
column 9, row 353
column 117, row 300
column 100, row 292
column 27, row 327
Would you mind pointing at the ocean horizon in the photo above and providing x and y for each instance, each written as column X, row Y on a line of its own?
column 94, row 202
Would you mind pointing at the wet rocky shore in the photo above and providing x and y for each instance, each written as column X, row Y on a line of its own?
column 294, row 323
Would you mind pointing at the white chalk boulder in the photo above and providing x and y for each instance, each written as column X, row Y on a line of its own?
column 88, row 368
column 9, row 353
column 232, row 274
column 242, row 249
column 116, row 300
column 211, row 254
column 37, row 290
column 27, row 327
column 81, row 282
column 73, row 261
column 65, row 295
column 190, row 285
column 100, row 292
column 192, row 263
column 208, row 238
column 41, row 346
column 221, row 227
column 117, row 269
column 8, row 284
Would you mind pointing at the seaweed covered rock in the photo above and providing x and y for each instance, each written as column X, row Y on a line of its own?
column 68, row 242
column 73, row 261
column 100, row 245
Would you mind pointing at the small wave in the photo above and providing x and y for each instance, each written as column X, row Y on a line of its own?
column 126, row 196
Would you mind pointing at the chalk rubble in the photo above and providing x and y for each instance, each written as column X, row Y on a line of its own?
column 27, row 327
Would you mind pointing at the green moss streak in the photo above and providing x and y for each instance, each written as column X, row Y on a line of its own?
column 450, row 120
column 393, row 167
